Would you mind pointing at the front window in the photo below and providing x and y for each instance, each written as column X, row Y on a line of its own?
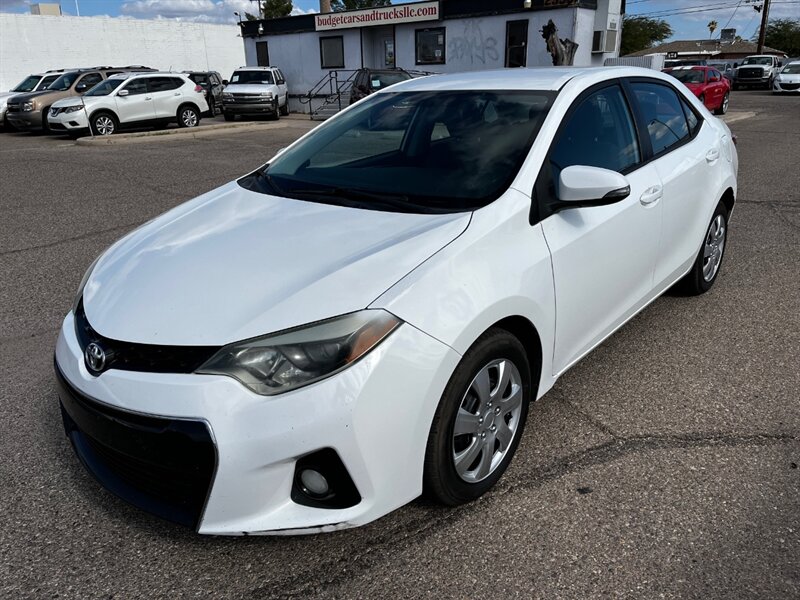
column 28, row 84
column 689, row 75
column 412, row 152
column 105, row 88
column 430, row 46
column 793, row 69
column 260, row 77
column 758, row 60
column 64, row 82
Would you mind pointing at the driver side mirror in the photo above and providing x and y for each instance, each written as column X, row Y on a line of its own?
column 225, row 82
column 123, row 93
column 81, row 87
column 580, row 186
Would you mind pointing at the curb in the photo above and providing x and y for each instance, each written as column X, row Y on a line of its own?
column 166, row 135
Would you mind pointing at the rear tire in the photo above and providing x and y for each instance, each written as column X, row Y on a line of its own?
column 709, row 259
column 45, row 123
column 723, row 107
column 479, row 421
column 285, row 108
column 188, row 116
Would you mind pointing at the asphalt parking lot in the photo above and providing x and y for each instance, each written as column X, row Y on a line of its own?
column 665, row 464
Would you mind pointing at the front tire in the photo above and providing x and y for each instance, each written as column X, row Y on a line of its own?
column 709, row 260
column 723, row 107
column 188, row 116
column 479, row 421
column 229, row 116
column 104, row 124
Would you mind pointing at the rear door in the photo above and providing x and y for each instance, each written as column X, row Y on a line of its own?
column 166, row 96
column 603, row 256
column 684, row 148
column 137, row 105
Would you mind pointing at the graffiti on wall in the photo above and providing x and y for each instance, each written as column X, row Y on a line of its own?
column 473, row 46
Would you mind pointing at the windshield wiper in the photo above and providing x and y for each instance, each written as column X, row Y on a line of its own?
column 351, row 197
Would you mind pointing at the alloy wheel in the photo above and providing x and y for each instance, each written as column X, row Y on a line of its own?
column 189, row 117
column 104, row 125
column 487, row 420
column 725, row 102
column 713, row 248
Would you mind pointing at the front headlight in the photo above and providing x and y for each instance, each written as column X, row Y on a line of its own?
column 267, row 94
column 277, row 363
column 71, row 109
column 227, row 95
column 27, row 106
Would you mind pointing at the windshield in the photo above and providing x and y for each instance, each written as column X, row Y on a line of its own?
column 47, row 81
column 27, row 84
column 793, row 69
column 382, row 80
column 758, row 60
column 412, row 151
column 251, row 77
column 64, row 82
column 104, row 88
column 689, row 76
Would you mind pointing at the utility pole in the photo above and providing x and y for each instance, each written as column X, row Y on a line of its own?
column 763, row 32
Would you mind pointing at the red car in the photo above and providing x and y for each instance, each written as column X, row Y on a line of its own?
column 706, row 83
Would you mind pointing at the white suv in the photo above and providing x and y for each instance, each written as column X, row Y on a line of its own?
column 131, row 100
column 255, row 91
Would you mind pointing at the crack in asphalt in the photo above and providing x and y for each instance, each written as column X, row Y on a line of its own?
column 74, row 238
column 303, row 584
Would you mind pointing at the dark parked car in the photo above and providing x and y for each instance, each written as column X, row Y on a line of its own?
column 368, row 81
column 212, row 85
column 726, row 68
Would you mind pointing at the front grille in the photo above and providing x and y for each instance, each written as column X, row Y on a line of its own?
column 14, row 107
column 248, row 98
column 745, row 73
column 151, row 358
column 790, row 87
column 164, row 466
column 57, row 127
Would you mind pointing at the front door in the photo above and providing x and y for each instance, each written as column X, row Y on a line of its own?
column 604, row 256
column 137, row 105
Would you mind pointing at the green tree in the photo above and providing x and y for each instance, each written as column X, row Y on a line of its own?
column 271, row 9
column 640, row 33
column 337, row 5
column 783, row 34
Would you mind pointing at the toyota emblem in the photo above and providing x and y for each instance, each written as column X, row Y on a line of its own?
column 95, row 357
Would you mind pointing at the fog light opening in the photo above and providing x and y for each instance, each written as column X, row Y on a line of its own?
column 314, row 483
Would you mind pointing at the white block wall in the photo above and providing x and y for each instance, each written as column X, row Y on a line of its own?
column 35, row 43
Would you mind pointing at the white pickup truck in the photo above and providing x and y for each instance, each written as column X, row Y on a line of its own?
column 758, row 70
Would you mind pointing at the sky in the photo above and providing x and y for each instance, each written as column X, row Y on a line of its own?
column 688, row 18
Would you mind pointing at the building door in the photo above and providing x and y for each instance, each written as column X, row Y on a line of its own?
column 262, row 54
column 377, row 47
column 516, row 43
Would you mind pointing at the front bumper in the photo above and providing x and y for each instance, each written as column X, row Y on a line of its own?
column 375, row 415
column 25, row 120
column 73, row 121
column 254, row 108
column 785, row 88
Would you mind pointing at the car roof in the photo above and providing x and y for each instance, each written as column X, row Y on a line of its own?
column 537, row 78
column 246, row 68
column 691, row 67
column 132, row 74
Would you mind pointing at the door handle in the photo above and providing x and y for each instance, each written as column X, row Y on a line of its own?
column 712, row 155
column 651, row 195
column 177, row 93
column 148, row 98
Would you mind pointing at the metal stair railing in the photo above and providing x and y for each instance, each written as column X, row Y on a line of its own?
column 332, row 87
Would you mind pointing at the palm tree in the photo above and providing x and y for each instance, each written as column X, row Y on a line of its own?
column 712, row 25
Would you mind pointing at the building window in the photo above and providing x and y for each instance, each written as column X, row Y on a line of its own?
column 430, row 46
column 331, row 52
column 262, row 54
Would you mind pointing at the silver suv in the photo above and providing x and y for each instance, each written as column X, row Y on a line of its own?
column 255, row 91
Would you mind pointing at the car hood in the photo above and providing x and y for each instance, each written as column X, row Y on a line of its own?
column 77, row 101
column 30, row 95
column 789, row 77
column 234, row 264
column 695, row 87
column 250, row 88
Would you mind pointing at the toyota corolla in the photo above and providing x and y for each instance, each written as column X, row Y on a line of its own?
column 368, row 316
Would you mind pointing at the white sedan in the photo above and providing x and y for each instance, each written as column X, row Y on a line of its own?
column 368, row 316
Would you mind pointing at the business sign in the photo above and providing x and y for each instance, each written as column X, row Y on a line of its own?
column 384, row 15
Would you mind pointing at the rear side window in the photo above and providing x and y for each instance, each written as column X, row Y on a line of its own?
column 599, row 133
column 662, row 111
column 164, row 84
